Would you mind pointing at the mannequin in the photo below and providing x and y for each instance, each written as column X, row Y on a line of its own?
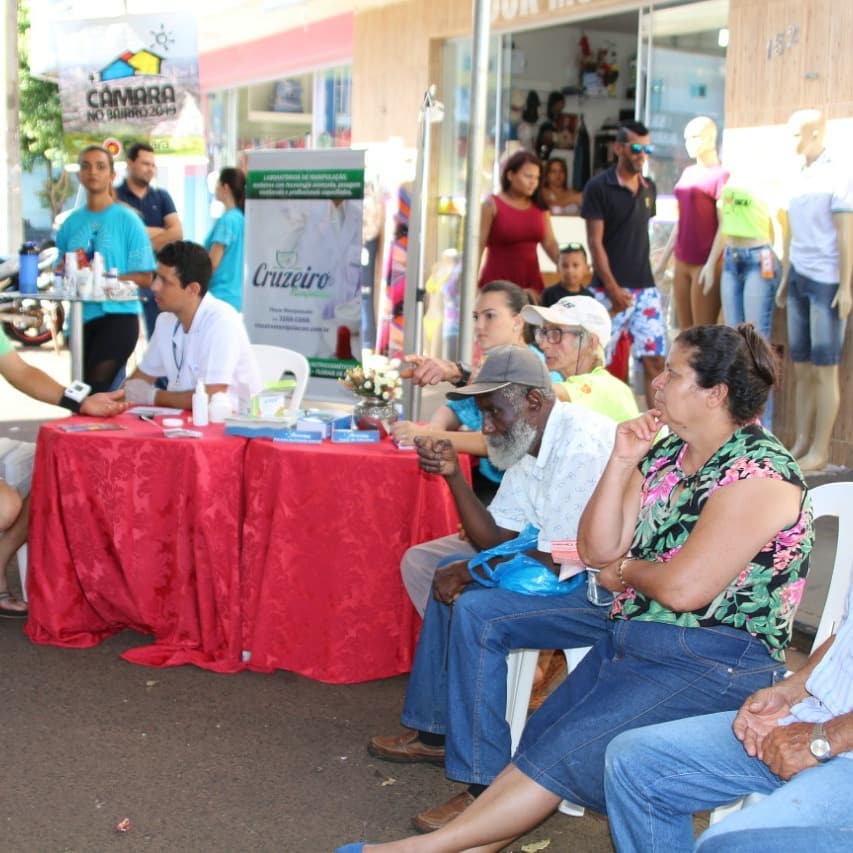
column 751, row 270
column 697, row 192
column 816, row 285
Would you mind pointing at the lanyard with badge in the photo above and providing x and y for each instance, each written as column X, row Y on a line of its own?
column 180, row 359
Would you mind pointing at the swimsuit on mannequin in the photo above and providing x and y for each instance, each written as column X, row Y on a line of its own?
column 816, row 285
column 697, row 192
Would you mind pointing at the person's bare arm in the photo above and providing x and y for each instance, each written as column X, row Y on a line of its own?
column 172, row 230
column 217, row 253
column 606, row 527
column 37, row 384
column 619, row 296
column 487, row 217
column 140, row 279
column 737, row 521
column 550, row 244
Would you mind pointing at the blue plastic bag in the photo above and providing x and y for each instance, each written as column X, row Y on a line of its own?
column 521, row 573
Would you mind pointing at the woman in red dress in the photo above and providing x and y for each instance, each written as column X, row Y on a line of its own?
column 513, row 223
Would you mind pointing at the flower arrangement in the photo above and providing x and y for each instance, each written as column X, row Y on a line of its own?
column 377, row 377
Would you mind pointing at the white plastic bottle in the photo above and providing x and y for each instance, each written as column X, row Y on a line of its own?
column 200, row 415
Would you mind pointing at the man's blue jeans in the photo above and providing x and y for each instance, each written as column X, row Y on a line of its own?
column 458, row 682
column 657, row 777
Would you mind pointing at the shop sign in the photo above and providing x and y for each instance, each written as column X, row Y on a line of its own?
column 514, row 10
column 131, row 79
column 302, row 287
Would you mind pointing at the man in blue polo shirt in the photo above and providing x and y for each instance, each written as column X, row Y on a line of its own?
column 617, row 207
column 154, row 205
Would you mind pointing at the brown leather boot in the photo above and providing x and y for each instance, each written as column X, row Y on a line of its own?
column 435, row 818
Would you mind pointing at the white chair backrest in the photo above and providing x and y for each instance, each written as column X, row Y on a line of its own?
column 274, row 361
column 836, row 499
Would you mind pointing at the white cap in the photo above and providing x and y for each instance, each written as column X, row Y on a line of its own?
column 577, row 312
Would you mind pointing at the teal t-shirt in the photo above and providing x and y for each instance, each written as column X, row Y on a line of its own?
column 5, row 344
column 119, row 235
column 227, row 281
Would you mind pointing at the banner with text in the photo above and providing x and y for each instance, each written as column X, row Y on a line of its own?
column 131, row 79
column 302, row 287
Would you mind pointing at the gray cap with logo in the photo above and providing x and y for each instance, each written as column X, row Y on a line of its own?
column 502, row 366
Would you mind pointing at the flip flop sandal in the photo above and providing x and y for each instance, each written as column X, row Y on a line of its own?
column 5, row 613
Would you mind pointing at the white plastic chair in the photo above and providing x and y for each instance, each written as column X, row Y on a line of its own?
column 833, row 499
column 521, row 671
column 274, row 361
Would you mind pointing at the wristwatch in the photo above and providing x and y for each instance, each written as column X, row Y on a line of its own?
column 464, row 375
column 819, row 745
column 74, row 395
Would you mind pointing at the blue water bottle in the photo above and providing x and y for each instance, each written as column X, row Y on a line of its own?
column 28, row 271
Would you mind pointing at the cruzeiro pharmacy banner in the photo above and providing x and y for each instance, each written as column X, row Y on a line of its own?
column 130, row 79
column 302, row 287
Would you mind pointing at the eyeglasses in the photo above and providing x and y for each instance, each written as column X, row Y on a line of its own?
column 553, row 336
column 636, row 148
column 572, row 247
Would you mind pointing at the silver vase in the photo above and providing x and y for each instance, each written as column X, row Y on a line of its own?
column 375, row 413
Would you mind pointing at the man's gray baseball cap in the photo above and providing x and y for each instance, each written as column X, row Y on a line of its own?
column 502, row 366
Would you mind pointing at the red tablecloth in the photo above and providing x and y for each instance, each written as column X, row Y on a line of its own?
column 324, row 532
column 129, row 529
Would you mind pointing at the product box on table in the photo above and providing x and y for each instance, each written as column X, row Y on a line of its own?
column 249, row 427
column 355, row 436
column 324, row 422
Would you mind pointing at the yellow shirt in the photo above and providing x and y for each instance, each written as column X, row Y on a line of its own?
column 743, row 215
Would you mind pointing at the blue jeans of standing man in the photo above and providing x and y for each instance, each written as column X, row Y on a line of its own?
column 748, row 297
column 457, row 685
column 641, row 674
column 657, row 777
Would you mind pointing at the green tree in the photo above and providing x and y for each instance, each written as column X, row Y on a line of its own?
column 42, row 140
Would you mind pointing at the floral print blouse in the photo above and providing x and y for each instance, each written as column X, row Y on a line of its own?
column 764, row 596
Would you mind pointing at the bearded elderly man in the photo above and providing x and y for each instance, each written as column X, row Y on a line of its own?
column 553, row 454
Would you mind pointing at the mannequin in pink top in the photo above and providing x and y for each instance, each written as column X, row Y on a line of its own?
column 697, row 192
column 513, row 223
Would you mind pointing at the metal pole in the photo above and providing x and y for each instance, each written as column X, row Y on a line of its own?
column 413, row 301
column 476, row 144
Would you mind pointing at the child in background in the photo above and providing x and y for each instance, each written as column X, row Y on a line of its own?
column 575, row 275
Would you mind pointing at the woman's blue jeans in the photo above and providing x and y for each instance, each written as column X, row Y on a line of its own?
column 657, row 777
column 747, row 297
column 641, row 674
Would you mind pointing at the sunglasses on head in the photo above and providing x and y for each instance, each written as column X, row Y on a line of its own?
column 572, row 247
column 636, row 148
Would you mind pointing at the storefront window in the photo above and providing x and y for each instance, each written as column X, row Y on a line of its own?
column 683, row 58
column 311, row 110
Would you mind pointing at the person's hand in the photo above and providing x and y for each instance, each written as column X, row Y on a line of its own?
column 462, row 533
column 436, row 456
column 635, row 437
column 404, row 432
column 706, row 278
column 782, row 291
column 660, row 268
column 843, row 301
column 139, row 391
column 758, row 716
column 428, row 371
column 104, row 405
column 786, row 750
column 450, row 581
column 620, row 298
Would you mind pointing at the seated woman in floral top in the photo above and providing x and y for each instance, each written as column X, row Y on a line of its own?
column 717, row 525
